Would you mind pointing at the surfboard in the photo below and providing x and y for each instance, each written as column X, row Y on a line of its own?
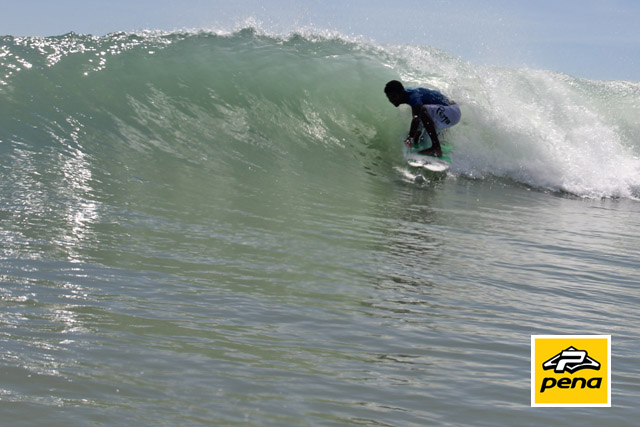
column 430, row 163
column 427, row 163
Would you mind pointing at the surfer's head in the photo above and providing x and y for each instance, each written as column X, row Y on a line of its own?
column 395, row 92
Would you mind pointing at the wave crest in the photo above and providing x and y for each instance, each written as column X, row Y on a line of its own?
column 228, row 96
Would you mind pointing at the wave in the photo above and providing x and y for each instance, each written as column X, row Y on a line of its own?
column 301, row 104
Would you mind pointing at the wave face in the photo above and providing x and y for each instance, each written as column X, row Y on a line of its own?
column 295, row 107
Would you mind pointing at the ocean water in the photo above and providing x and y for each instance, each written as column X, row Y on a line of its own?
column 219, row 228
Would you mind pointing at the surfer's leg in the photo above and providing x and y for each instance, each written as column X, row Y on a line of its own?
column 442, row 117
column 430, row 129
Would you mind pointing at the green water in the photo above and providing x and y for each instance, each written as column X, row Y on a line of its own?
column 201, row 229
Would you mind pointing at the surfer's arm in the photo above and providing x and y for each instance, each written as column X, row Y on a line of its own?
column 413, row 131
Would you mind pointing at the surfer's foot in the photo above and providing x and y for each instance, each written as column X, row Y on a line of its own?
column 433, row 151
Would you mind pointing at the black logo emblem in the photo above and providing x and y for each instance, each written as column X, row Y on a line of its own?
column 571, row 360
column 442, row 115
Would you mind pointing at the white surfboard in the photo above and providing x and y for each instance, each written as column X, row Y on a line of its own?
column 433, row 164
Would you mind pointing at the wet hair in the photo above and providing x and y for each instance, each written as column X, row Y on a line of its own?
column 393, row 86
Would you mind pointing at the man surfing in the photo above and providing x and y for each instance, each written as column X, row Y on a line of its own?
column 429, row 107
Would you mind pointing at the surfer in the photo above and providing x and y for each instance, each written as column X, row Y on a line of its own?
column 432, row 108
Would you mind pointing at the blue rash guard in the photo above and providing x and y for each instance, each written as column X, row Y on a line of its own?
column 420, row 96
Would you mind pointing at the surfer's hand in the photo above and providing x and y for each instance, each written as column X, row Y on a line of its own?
column 409, row 142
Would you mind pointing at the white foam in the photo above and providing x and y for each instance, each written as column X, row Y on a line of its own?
column 542, row 128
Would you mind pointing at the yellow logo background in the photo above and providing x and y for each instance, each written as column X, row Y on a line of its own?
column 545, row 347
